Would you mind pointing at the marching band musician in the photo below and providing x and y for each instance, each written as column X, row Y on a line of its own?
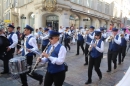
column 61, row 30
column 89, row 38
column 123, row 46
column 30, row 45
column 67, row 38
column 45, row 38
column 104, row 35
column 13, row 39
column 55, row 56
column 96, row 49
column 114, row 42
column 80, row 41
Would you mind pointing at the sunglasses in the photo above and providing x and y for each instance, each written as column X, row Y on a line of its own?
column 51, row 38
column 97, row 35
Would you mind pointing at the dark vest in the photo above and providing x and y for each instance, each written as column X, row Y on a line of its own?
column 80, row 37
column 94, row 52
column 45, row 42
column 66, row 36
column 89, row 39
column 28, row 47
column 10, row 38
column 54, row 68
column 123, row 41
column 102, row 38
column 113, row 46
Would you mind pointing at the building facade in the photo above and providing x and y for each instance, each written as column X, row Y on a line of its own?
column 1, row 10
column 78, row 13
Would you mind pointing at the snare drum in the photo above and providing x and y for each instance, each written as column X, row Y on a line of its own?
column 18, row 65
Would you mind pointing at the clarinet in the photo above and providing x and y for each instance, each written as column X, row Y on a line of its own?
column 37, row 62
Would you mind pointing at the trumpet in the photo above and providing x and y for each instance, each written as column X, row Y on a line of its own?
column 122, row 35
column 110, row 39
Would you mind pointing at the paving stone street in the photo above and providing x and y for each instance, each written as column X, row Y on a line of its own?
column 77, row 74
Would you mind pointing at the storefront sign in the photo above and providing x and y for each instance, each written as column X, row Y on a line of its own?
column 85, row 19
column 7, row 21
column 23, row 17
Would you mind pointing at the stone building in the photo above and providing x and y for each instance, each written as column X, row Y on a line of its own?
column 41, row 13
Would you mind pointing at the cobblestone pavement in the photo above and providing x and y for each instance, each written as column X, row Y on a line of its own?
column 77, row 74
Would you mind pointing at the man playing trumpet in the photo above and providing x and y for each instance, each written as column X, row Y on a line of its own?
column 89, row 38
column 123, row 45
column 96, row 49
column 114, row 42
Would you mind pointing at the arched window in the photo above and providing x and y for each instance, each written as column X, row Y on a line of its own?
column 31, row 19
column 74, row 21
column 22, row 22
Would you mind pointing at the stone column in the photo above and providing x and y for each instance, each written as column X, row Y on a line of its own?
column 108, row 25
column 38, row 20
column 64, row 19
column 81, row 22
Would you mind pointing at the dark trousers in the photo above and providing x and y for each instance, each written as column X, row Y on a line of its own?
column 112, row 56
column 86, row 53
column 24, row 75
column 57, row 79
column 66, row 43
column 122, row 53
column 61, row 40
column 80, row 44
column 94, row 62
column 43, row 47
column 6, row 59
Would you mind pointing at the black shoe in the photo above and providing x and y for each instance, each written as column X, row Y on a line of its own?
column 100, row 77
column 88, row 82
column 85, row 64
column 108, row 70
column 40, row 81
column 4, row 72
column 122, row 60
column 119, row 63
column 115, row 66
column 77, row 54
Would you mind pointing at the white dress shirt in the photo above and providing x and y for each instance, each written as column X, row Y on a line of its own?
column 117, row 41
column 14, row 39
column 100, row 49
column 56, row 60
column 36, row 35
column 61, row 31
column 104, row 35
column 91, row 36
column 126, row 37
column 46, row 36
column 32, row 42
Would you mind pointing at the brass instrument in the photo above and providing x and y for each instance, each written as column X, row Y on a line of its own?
column 122, row 35
column 110, row 39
